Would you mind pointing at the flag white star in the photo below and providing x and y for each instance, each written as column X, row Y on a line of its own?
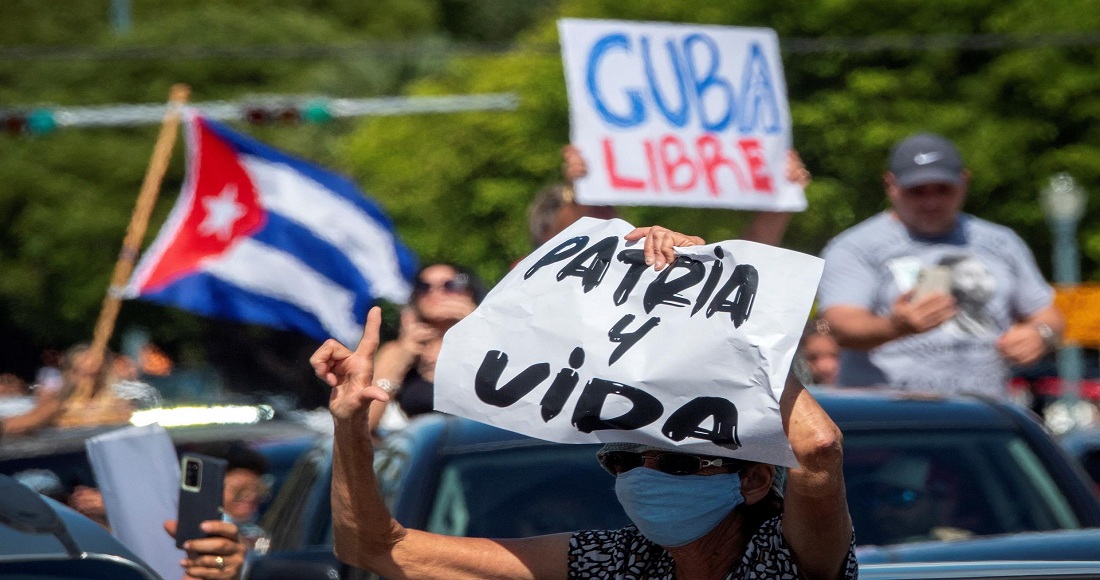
column 222, row 212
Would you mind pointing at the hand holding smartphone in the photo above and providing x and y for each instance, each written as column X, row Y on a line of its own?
column 202, row 479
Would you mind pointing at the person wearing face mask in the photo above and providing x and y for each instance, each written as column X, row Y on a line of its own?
column 694, row 516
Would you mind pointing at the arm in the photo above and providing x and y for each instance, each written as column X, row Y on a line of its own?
column 816, row 523
column 768, row 227
column 860, row 329
column 1023, row 343
column 46, row 408
column 366, row 535
column 396, row 358
column 1032, row 302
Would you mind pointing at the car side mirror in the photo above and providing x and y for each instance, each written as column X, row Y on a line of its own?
column 21, row 508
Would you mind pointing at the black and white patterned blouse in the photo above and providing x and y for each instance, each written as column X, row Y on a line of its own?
column 626, row 555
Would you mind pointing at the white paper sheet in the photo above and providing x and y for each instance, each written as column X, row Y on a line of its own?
column 700, row 377
column 138, row 474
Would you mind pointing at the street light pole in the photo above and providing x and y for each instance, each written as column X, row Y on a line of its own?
column 1064, row 203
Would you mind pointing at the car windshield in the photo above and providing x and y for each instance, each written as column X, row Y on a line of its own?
column 921, row 485
column 524, row 492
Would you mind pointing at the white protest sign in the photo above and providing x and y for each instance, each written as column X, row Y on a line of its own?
column 674, row 114
column 582, row 342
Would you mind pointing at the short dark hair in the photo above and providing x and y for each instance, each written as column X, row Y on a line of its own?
column 237, row 454
column 544, row 210
column 243, row 457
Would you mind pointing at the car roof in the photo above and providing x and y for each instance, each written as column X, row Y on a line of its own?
column 850, row 408
column 973, row 570
column 877, row 408
column 1064, row 545
column 54, row 440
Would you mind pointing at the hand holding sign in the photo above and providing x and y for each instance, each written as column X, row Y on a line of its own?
column 678, row 114
column 661, row 243
column 587, row 340
column 350, row 373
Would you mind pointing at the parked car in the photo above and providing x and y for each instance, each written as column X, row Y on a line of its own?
column 916, row 467
column 1084, row 445
column 1056, row 545
column 41, row 538
column 56, row 457
column 1037, row 570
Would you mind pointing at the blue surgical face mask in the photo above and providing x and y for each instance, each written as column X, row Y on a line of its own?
column 675, row 510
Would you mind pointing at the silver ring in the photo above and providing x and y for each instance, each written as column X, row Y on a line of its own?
column 219, row 562
column 387, row 385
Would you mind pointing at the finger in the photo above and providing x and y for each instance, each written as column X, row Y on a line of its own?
column 200, row 572
column 678, row 240
column 170, row 527
column 223, row 529
column 794, row 165
column 323, row 358
column 369, row 343
column 464, row 303
column 796, row 170
column 422, row 333
column 214, row 546
column 693, row 241
column 637, row 234
column 573, row 165
column 208, row 561
column 409, row 317
column 668, row 249
column 652, row 247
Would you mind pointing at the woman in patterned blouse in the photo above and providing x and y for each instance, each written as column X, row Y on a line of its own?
column 695, row 517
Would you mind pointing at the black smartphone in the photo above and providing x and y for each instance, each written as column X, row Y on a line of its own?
column 202, row 479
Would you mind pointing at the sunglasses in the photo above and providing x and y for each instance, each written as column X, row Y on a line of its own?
column 619, row 462
column 460, row 284
column 260, row 493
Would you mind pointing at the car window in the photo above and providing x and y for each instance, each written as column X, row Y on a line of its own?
column 917, row 485
column 391, row 462
column 524, row 492
column 285, row 520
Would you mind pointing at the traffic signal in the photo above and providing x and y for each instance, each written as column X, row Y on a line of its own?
column 36, row 121
column 315, row 111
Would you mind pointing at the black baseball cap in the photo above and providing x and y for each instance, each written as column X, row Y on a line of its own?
column 926, row 158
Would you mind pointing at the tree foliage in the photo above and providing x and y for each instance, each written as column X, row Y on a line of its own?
column 1020, row 111
column 1012, row 82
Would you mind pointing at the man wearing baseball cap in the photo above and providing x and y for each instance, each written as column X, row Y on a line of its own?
column 924, row 297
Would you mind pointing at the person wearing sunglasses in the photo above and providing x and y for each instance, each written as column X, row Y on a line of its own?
column 911, row 499
column 442, row 295
column 696, row 517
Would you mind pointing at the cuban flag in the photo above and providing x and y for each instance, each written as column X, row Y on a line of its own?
column 259, row 236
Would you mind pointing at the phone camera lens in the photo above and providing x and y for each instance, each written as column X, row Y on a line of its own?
column 191, row 477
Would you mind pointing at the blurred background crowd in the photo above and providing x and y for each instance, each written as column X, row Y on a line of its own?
column 1011, row 84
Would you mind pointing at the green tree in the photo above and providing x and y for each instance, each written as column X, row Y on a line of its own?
column 1013, row 82
column 66, row 196
column 1021, row 109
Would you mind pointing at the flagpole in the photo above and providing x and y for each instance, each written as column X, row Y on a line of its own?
column 135, row 233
